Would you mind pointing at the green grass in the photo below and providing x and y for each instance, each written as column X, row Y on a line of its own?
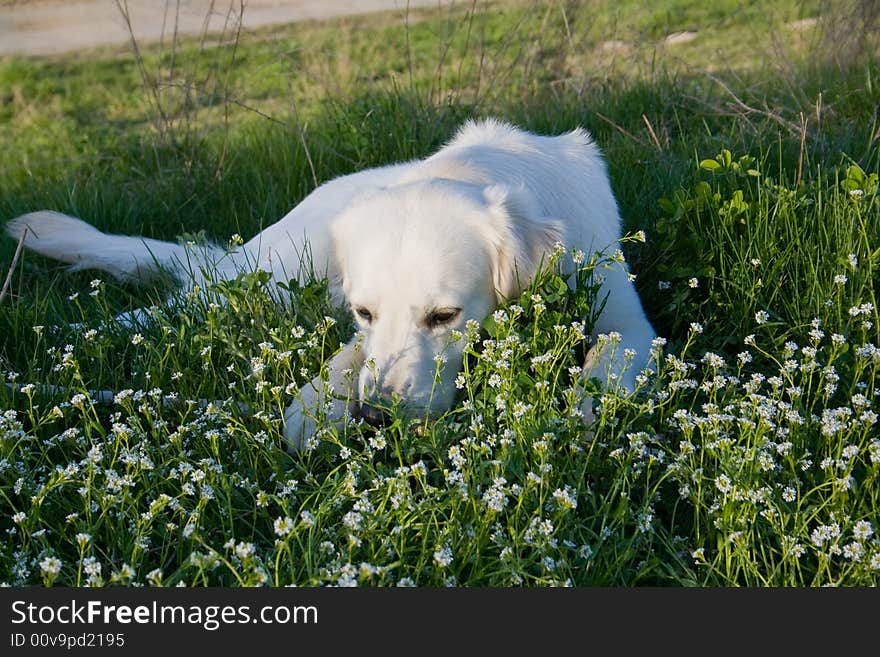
column 748, row 456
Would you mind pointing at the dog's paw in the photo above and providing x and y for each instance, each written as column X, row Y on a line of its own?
column 588, row 416
column 299, row 423
column 310, row 409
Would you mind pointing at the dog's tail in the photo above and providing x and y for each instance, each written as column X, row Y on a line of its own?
column 71, row 240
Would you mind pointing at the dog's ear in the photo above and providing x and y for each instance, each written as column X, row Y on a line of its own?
column 520, row 238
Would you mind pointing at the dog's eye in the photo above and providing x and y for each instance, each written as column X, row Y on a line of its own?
column 364, row 314
column 442, row 316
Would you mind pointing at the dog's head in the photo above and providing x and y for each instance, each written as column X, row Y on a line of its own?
column 418, row 261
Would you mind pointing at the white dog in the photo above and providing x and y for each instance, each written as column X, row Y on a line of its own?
column 416, row 249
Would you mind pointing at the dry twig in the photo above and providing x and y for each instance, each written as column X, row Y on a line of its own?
column 15, row 258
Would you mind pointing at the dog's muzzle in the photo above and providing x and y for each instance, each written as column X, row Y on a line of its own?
column 375, row 417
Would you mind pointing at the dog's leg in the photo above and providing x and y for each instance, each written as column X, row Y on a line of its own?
column 329, row 399
column 134, row 319
column 623, row 338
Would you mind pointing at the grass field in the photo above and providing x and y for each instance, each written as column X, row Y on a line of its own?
column 742, row 140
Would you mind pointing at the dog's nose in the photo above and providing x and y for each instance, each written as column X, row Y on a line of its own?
column 373, row 416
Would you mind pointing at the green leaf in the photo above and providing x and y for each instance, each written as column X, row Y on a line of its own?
column 703, row 190
column 666, row 205
column 854, row 173
column 490, row 326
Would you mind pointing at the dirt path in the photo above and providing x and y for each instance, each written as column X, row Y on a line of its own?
column 46, row 27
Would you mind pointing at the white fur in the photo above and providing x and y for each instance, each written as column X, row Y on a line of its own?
column 461, row 229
